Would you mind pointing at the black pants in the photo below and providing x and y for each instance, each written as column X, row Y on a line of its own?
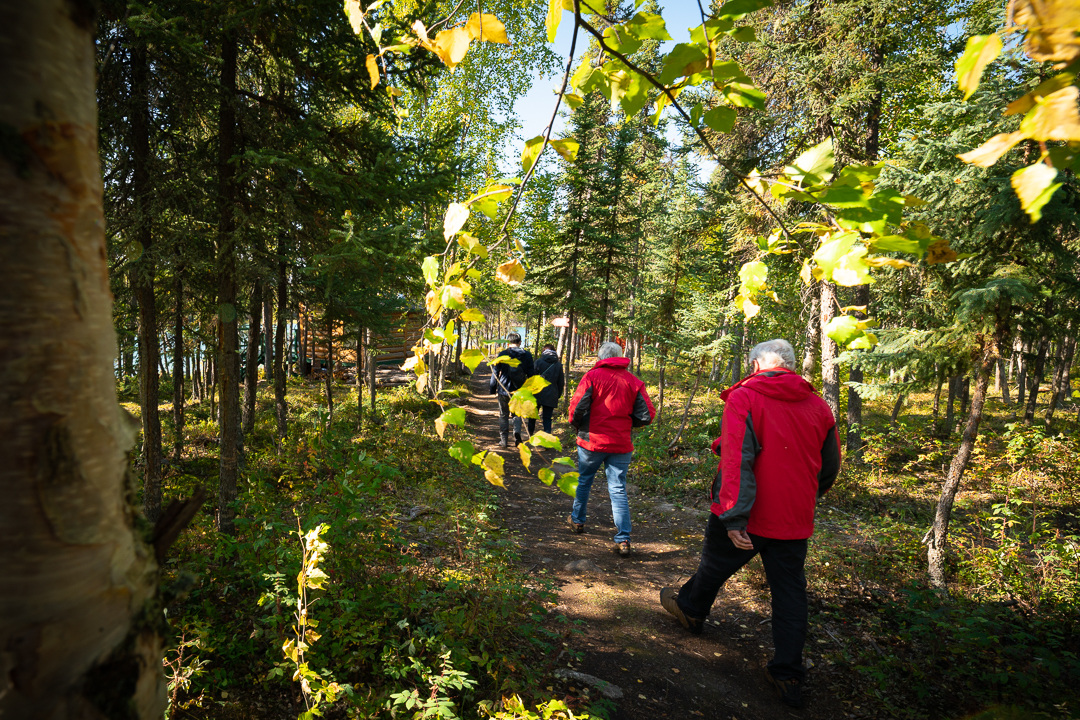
column 784, row 562
column 545, row 415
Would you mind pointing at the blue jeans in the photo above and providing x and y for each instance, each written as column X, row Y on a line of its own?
column 615, row 466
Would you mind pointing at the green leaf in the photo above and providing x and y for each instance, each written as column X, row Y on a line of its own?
column 573, row 100
column 531, row 152
column 471, row 315
column 618, row 39
column 568, row 483
column 714, row 28
column 563, row 461
column 683, row 60
column 472, row 358
column 745, row 34
column 981, row 50
column 753, row 274
column 545, row 439
column 1035, row 185
column 852, row 269
column 636, row 94
column 898, row 243
column 844, row 196
column 737, row 9
column 546, row 476
column 813, row 167
column 831, row 251
column 695, row 114
column 462, row 451
column 845, row 328
column 721, row 119
column 742, row 94
column 453, row 416
column 430, row 268
column 647, row 26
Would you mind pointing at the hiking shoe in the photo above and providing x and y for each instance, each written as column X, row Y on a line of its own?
column 576, row 528
column 623, row 548
column 669, row 603
column 517, row 439
column 503, row 443
column 790, row 690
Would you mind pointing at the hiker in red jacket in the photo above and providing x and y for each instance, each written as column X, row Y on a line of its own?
column 778, row 453
column 609, row 402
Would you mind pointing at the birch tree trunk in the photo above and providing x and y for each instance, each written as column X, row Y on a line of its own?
column 938, row 536
column 830, row 371
column 813, row 334
column 78, row 627
column 251, row 361
column 178, row 360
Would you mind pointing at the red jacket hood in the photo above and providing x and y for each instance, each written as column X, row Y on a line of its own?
column 619, row 363
column 778, row 383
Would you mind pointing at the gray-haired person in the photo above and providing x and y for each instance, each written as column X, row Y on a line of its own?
column 608, row 404
column 778, row 453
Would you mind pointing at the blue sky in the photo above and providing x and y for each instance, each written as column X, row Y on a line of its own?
column 534, row 108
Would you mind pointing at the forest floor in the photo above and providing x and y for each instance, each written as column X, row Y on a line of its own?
column 650, row 666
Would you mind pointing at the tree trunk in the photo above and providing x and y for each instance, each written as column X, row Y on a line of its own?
column 830, row 370
column 660, row 382
column 281, row 360
column 372, row 374
column 938, row 536
column 142, row 276
column 813, row 336
column 1021, row 372
column 178, row 361
column 228, row 364
column 268, row 328
column 568, row 331
column 1036, row 376
column 1003, row 378
column 854, row 441
column 937, row 393
column 359, row 379
column 686, row 410
column 737, row 352
column 251, row 361
column 329, row 372
column 950, row 406
column 1066, row 348
column 80, row 624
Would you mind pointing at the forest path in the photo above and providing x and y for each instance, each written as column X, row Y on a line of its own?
column 626, row 638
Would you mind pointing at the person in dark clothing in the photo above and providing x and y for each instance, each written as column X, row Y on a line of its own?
column 609, row 402
column 549, row 367
column 779, row 453
column 505, row 379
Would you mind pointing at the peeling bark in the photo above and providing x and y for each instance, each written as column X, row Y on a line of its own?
column 77, row 577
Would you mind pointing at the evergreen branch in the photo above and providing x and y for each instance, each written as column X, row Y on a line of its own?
column 686, row 116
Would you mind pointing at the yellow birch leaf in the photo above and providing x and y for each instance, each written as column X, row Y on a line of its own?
column 373, row 70
column 511, row 273
column 487, row 28
column 567, row 148
column 879, row 261
column 1035, row 185
column 451, row 46
column 750, row 308
column 554, row 17
column 420, row 30
column 433, row 302
column 355, row 12
column 526, row 454
column 991, row 151
column 456, row 215
column 981, row 50
column 494, row 478
column 1054, row 117
column 532, row 151
column 940, row 252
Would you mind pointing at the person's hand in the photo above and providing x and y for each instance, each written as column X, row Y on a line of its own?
column 741, row 539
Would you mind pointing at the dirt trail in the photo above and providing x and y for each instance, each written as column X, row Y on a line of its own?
column 627, row 639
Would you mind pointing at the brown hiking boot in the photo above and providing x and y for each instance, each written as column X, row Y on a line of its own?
column 623, row 548
column 576, row 528
column 671, row 604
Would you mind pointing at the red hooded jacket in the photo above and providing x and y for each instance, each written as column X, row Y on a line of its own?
column 608, row 403
column 778, row 452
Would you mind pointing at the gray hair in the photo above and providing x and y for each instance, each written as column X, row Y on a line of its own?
column 513, row 338
column 609, row 350
column 773, row 354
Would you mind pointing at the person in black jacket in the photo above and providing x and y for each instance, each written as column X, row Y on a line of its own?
column 505, row 380
column 549, row 367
